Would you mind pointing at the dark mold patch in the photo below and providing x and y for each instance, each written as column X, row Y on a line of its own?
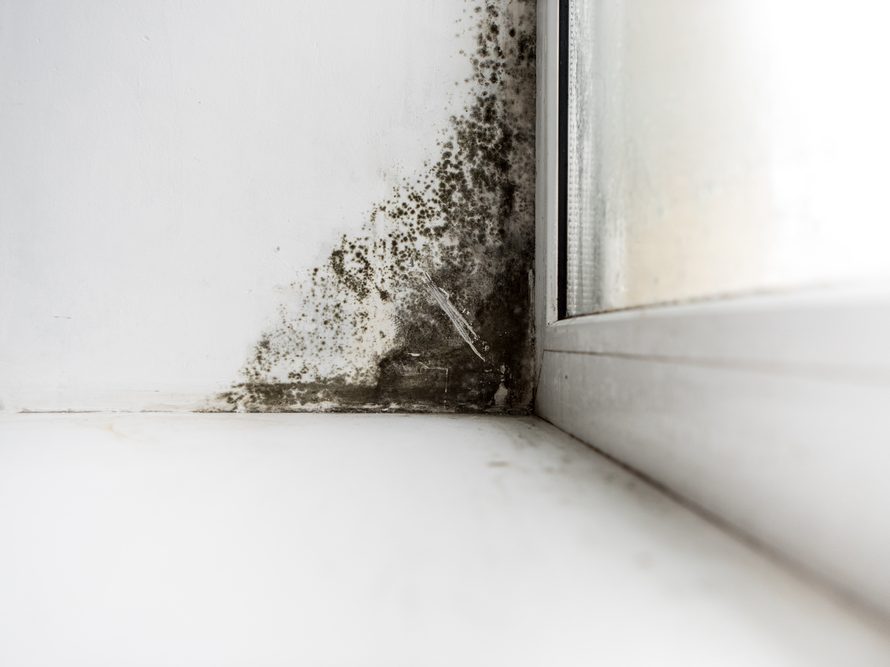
column 367, row 329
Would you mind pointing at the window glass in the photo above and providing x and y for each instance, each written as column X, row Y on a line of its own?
column 717, row 148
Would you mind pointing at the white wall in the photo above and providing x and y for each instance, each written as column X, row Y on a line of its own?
column 167, row 169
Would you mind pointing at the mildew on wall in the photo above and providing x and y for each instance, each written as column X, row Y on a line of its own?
column 429, row 308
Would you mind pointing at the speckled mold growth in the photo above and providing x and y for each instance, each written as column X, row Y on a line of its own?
column 429, row 308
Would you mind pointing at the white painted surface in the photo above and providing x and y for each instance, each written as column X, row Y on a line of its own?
column 769, row 412
column 168, row 169
column 547, row 176
column 726, row 147
column 374, row 540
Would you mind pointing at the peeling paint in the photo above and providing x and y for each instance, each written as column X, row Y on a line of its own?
column 443, row 300
column 429, row 307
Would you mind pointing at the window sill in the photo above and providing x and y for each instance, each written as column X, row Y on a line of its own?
column 375, row 539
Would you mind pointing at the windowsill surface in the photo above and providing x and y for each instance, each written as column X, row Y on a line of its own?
column 196, row 539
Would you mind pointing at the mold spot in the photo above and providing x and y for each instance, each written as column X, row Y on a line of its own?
column 364, row 330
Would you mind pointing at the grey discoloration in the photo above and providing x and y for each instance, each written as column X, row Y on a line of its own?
column 362, row 332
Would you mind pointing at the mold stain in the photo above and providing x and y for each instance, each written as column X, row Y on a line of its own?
column 429, row 307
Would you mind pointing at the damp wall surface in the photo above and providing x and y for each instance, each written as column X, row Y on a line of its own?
column 266, row 206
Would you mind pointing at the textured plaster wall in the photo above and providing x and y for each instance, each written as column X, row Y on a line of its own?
column 266, row 206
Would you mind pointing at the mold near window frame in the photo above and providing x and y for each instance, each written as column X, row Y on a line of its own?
column 430, row 307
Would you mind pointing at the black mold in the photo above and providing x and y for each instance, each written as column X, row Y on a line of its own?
column 363, row 334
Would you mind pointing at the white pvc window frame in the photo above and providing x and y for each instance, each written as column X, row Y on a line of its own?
column 771, row 411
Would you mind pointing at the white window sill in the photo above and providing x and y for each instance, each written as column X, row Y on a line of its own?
column 375, row 540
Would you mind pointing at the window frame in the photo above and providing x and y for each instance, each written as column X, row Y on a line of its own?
column 767, row 410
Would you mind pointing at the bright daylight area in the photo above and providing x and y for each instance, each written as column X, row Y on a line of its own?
column 444, row 332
